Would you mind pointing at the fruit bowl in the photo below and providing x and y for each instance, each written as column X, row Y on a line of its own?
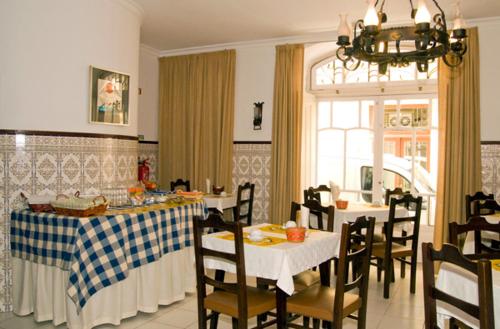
column 296, row 234
column 341, row 204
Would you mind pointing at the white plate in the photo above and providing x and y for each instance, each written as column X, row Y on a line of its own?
column 256, row 238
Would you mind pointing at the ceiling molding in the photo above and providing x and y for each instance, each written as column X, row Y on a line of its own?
column 150, row 50
column 314, row 37
column 132, row 7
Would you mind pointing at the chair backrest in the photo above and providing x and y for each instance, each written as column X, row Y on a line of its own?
column 406, row 201
column 354, row 249
column 316, row 209
column 389, row 194
column 244, row 203
column 216, row 222
column 315, row 192
column 179, row 182
column 476, row 224
column 486, row 207
column 472, row 200
column 450, row 254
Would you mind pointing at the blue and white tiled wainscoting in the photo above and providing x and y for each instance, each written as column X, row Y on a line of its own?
column 54, row 164
column 252, row 163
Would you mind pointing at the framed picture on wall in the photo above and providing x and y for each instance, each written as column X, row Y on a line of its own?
column 109, row 97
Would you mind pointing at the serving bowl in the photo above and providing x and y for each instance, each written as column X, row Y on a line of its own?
column 296, row 234
column 341, row 204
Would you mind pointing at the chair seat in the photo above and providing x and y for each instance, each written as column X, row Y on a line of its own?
column 397, row 250
column 306, row 279
column 317, row 302
column 258, row 300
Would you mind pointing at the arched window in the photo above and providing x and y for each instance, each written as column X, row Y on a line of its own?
column 371, row 132
column 330, row 73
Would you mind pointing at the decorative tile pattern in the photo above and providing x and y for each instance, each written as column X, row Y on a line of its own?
column 252, row 163
column 490, row 158
column 44, row 165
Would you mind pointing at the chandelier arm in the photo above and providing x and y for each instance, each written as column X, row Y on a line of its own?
column 382, row 6
column 441, row 10
column 445, row 60
column 411, row 5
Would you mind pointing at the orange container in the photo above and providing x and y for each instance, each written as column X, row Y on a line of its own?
column 342, row 204
column 296, row 234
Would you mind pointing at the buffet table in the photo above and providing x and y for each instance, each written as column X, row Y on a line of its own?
column 95, row 270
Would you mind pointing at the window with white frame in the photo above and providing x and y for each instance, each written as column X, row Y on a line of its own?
column 379, row 135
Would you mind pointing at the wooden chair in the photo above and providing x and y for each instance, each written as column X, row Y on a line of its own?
column 310, row 277
column 234, row 299
column 476, row 225
column 314, row 192
column 394, row 247
column 389, row 194
column 179, row 182
column 244, row 203
column 334, row 304
column 471, row 202
column 450, row 254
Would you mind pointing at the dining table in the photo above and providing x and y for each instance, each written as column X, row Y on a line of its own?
column 463, row 285
column 276, row 259
column 355, row 210
column 220, row 202
column 88, row 271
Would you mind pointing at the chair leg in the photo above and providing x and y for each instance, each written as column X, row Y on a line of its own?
column 305, row 322
column 261, row 318
column 393, row 276
column 214, row 321
column 235, row 323
column 316, row 323
column 413, row 275
column 403, row 268
column 202, row 318
column 387, row 276
column 379, row 269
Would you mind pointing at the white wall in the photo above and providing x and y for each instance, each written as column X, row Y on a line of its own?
column 254, row 83
column 148, row 100
column 489, row 48
column 46, row 50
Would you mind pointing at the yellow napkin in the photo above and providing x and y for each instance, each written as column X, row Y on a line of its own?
column 495, row 264
column 267, row 241
column 141, row 209
column 272, row 228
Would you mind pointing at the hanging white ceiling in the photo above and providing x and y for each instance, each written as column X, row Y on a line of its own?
column 175, row 24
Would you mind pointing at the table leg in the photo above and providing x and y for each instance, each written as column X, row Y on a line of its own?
column 281, row 315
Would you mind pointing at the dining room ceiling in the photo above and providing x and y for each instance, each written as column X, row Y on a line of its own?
column 177, row 24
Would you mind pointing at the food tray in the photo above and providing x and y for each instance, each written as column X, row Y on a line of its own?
column 38, row 203
column 97, row 209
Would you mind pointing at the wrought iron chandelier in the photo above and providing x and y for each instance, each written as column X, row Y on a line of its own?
column 399, row 46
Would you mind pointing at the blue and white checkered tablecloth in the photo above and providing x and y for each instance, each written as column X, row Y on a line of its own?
column 100, row 251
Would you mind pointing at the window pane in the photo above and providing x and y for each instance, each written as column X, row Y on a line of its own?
column 360, row 75
column 330, row 156
column 414, row 113
column 391, row 114
column 367, row 114
column 324, row 116
column 324, row 74
column 359, row 153
column 345, row 114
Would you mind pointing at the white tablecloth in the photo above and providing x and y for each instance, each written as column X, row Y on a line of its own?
column 41, row 290
column 277, row 262
column 355, row 210
column 463, row 285
column 468, row 247
column 220, row 202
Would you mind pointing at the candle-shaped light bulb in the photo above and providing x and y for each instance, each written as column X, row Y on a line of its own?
column 459, row 22
column 344, row 29
column 422, row 15
column 371, row 17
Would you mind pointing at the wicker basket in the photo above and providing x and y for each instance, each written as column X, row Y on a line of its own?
column 92, row 211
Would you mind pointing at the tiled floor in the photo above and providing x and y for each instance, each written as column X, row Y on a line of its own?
column 402, row 311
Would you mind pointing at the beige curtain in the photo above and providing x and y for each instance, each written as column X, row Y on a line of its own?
column 459, row 171
column 196, row 118
column 287, row 127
